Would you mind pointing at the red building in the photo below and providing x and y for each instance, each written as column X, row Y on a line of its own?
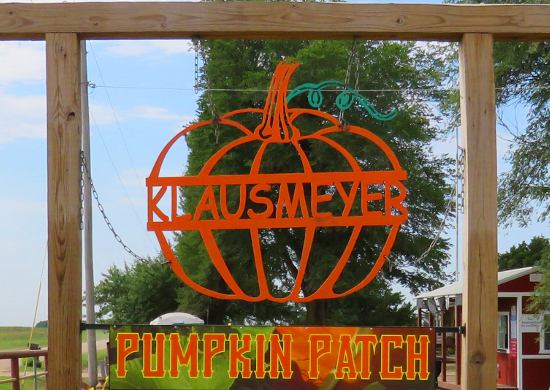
column 523, row 355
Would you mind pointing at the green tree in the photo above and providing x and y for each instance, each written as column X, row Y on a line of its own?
column 522, row 75
column 237, row 69
column 524, row 255
column 540, row 301
column 536, row 253
column 137, row 293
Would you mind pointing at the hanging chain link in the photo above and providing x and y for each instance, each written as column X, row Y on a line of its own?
column 204, row 85
column 81, row 191
column 460, row 179
column 353, row 59
column 197, row 85
column 85, row 174
column 441, row 227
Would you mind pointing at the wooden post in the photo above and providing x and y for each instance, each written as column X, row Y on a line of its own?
column 15, row 373
column 443, row 348
column 458, row 345
column 479, row 299
column 64, row 235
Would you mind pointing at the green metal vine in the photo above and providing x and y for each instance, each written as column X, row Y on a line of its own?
column 344, row 100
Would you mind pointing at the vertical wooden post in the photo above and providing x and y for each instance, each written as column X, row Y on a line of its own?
column 479, row 299
column 458, row 345
column 443, row 348
column 15, row 373
column 64, row 235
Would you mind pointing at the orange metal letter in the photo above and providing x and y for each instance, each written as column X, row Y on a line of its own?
column 256, row 198
column 207, row 204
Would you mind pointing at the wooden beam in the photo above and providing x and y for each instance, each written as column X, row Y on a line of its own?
column 479, row 299
column 273, row 20
column 64, row 235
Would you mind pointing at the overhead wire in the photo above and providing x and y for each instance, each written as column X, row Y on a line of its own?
column 37, row 303
column 125, row 144
column 117, row 173
column 193, row 89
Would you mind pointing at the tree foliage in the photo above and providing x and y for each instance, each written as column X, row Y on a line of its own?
column 237, row 70
column 524, row 255
column 540, row 301
column 137, row 293
column 522, row 75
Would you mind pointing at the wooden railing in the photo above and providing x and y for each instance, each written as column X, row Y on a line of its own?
column 14, row 357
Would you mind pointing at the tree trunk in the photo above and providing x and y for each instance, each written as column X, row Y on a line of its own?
column 316, row 312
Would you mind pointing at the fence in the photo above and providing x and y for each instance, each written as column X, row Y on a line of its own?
column 14, row 357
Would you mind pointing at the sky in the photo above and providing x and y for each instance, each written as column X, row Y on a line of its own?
column 141, row 94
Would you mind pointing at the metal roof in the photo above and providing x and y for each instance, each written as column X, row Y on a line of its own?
column 456, row 287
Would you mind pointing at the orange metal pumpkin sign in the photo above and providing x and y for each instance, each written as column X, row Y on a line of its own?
column 291, row 209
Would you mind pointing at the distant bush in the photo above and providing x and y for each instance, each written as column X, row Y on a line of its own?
column 28, row 363
column 41, row 324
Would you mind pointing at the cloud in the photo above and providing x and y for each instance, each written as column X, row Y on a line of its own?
column 22, row 62
column 104, row 115
column 150, row 48
column 158, row 113
column 25, row 116
column 135, row 177
column 22, row 117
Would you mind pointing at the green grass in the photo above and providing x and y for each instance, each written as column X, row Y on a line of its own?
column 101, row 354
column 17, row 337
column 27, row 384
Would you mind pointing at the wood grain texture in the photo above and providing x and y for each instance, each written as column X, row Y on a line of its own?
column 274, row 20
column 479, row 299
column 64, row 235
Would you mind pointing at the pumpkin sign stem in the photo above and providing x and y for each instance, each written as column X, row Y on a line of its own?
column 276, row 125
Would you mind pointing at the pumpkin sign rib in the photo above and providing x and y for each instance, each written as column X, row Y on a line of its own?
column 277, row 127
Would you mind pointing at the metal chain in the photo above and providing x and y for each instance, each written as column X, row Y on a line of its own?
column 81, row 191
column 351, row 60
column 196, row 86
column 357, row 65
column 437, row 236
column 86, row 172
column 441, row 227
column 205, row 86
column 460, row 179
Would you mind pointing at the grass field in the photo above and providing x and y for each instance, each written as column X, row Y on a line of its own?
column 25, row 385
column 18, row 337
column 15, row 337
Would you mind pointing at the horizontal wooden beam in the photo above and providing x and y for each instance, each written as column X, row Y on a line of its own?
column 256, row 20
